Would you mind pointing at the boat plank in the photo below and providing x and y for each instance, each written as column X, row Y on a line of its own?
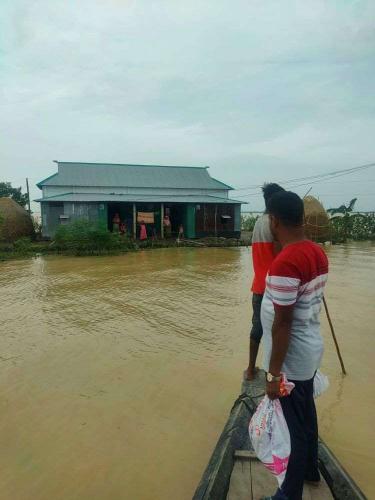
column 322, row 492
column 245, row 454
column 240, row 481
column 263, row 483
column 251, row 480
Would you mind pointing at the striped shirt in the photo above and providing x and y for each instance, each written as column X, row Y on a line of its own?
column 262, row 252
column 297, row 277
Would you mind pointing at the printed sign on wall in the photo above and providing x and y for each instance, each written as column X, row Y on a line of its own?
column 146, row 217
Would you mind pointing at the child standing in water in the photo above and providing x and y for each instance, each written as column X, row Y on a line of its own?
column 180, row 233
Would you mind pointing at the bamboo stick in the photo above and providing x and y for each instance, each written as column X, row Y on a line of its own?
column 334, row 336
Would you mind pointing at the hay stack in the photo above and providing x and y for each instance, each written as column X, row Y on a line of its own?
column 15, row 222
column 317, row 225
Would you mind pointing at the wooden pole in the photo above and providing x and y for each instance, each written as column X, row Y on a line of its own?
column 134, row 221
column 28, row 195
column 334, row 336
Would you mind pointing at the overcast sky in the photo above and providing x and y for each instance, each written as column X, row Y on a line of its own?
column 258, row 90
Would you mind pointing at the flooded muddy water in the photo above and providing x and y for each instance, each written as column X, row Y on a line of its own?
column 118, row 373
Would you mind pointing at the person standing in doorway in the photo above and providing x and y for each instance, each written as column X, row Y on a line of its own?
column 143, row 231
column 292, row 342
column 264, row 249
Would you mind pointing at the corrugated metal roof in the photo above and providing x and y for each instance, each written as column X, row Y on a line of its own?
column 102, row 197
column 124, row 175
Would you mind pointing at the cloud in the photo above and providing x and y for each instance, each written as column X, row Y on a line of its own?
column 251, row 88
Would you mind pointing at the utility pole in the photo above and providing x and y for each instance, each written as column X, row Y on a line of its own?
column 28, row 195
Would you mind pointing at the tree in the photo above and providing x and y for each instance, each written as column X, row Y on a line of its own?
column 343, row 209
column 7, row 191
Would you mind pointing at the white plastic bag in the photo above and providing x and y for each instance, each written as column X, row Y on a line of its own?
column 321, row 383
column 269, row 434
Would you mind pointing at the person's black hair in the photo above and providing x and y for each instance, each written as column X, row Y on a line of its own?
column 287, row 207
column 269, row 190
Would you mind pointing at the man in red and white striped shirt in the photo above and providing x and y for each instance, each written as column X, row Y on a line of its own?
column 291, row 335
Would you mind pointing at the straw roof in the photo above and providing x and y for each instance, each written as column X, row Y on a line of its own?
column 15, row 222
column 317, row 225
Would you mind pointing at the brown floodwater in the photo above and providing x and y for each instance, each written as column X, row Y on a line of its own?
column 118, row 373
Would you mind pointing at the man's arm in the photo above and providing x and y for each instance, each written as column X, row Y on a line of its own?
column 280, row 341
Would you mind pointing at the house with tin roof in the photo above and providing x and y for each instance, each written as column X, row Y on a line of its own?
column 102, row 192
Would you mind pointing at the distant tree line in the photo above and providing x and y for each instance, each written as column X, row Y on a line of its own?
column 345, row 223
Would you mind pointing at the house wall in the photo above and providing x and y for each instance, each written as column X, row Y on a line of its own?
column 237, row 218
column 197, row 223
column 51, row 212
column 205, row 220
column 77, row 210
column 56, row 190
column 51, row 218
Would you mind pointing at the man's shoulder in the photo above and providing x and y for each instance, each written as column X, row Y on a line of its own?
column 314, row 251
column 299, row 259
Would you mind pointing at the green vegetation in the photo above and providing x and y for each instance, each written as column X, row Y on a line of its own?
column 248, row 222
column 358, row 227
column 349, row 225
column 341, row 220
column 22, row 248
column 87, row 238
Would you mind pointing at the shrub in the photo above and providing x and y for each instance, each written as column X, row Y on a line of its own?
column 357, row 227
column 23, row 245
column 83, row 237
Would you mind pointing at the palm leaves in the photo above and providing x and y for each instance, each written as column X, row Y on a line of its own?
column 343, row 209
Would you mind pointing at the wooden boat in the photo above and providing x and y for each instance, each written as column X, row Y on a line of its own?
column 234, row 473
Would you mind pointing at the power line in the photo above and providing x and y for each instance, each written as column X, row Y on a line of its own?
column 326, row 176
column 339, row 173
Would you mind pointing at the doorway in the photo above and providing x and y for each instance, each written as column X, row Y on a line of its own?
column 125, row 211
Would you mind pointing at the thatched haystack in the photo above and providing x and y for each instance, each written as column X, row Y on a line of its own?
column 15, row 222
column 317, row 225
